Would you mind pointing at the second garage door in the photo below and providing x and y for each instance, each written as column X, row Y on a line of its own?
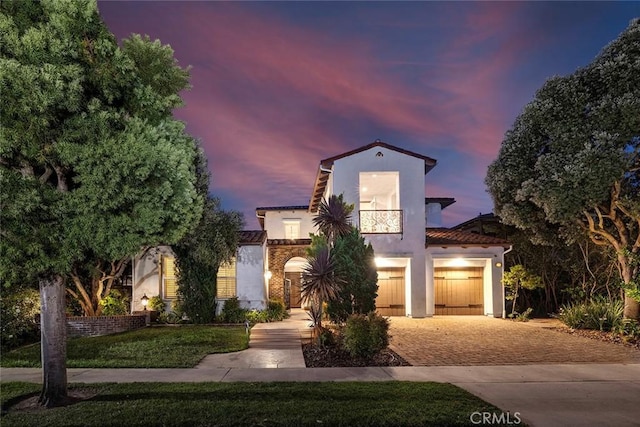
column 390, row 300
column 458, row 291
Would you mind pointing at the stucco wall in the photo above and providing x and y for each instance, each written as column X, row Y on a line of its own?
column 274, row 223
column 345, row 180
column 250, row 282
column 146, row 276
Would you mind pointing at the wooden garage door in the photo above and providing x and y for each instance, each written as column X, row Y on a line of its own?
column 459, row 290
column 390, row 300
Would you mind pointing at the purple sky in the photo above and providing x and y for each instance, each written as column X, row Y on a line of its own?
column 278, row 86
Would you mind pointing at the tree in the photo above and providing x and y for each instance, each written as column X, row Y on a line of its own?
column 570, row 164
column 355, row 265
column 333, row 218
column 319, row 280
column 199, row 255
column 518, row 278
column 93, row 166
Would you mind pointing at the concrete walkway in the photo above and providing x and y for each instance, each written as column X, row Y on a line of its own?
column 592, row 394
column 271, row 345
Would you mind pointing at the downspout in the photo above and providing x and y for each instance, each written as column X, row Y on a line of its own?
column 133, row 282
column 504, row 296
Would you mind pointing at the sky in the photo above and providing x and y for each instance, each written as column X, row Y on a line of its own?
column 279, row 86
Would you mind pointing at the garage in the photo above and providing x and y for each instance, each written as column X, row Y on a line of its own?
column 391, row 297
column 459, row 291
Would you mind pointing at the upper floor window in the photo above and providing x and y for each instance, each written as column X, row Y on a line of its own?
column 168, row 277
column 380, row 202
column 226, row 281
column 291, row 228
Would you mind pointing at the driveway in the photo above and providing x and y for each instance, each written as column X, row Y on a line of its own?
column 480, row 340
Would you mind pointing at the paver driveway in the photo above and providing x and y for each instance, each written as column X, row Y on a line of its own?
column 479, row 340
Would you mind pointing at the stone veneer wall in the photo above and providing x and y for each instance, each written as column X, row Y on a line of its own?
column 79, row 326
column 278, row 257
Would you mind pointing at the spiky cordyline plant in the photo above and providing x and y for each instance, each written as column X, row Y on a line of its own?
column 319, row 282
column 333, row 218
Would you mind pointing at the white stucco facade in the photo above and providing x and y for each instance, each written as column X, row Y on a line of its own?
column 409, row 244
column 250, row 277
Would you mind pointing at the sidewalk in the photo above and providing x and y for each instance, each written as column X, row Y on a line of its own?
column 603, row 394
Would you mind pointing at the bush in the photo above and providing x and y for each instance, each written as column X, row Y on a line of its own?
column 19, row 314
column 169, row 317
column 629, row 329
column 232, row 312
column 366, row 335
column 156, row 303
column 276, row 310
column 598, row 313
column 114, row 304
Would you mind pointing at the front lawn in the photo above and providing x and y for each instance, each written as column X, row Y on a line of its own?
column 253, row 404
column 156, row 347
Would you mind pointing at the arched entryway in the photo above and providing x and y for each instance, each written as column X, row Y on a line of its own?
column 280, row 252
column 293, row 281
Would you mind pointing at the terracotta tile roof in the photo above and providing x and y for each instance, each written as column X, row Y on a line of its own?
column 252, row 237
column 446, row 237
column 323, row 175
column 288, row 242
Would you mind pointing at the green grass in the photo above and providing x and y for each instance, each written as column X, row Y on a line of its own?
column 255, row 404
column 157, row 347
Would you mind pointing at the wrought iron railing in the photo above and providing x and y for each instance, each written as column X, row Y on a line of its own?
column 381, row 222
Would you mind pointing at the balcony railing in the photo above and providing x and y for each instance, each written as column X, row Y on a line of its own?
column 381, row 222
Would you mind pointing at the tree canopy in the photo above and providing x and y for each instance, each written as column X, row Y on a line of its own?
column 93, row 165
column 570, row 164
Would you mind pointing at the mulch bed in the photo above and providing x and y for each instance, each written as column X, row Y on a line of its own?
column 328, row 357
column 600, row 336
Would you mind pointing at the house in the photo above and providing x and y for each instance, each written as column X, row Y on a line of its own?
column 423, row 269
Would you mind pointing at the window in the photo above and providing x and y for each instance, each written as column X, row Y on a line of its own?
column 291, row 228
column 380, row 211
column 168, row 277
column 226, row 283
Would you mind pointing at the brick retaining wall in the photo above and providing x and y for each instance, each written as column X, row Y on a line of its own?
column 79, row 326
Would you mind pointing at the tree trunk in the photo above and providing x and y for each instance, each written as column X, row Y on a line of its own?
column 53, row 327
column 631, row 308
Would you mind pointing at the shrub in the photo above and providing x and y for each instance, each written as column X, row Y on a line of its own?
column 156, row 303
column 276, row 310
column 19, row 312
column 114, row 304
column 169, row 317
column 232, row 312
column 598, row 313
column 366, row 335
column 629, row 329
column 257, row 316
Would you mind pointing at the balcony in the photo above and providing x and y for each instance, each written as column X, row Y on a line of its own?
column 381, row 222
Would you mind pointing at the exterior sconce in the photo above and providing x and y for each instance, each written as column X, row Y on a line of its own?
column 498, row 264
column 145, row 301
column 267, row 275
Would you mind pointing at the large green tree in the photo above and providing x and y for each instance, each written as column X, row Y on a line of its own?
column 93, row 166
column 570, row 164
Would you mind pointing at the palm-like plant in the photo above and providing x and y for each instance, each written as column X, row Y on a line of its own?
column 319, row 282
column 333, row 218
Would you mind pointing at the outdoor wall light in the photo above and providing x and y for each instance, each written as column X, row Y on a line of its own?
column 145, row 301
column 267, row 275
column 498, row 264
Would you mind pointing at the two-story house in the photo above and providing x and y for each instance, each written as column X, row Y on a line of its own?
column 423, row 269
